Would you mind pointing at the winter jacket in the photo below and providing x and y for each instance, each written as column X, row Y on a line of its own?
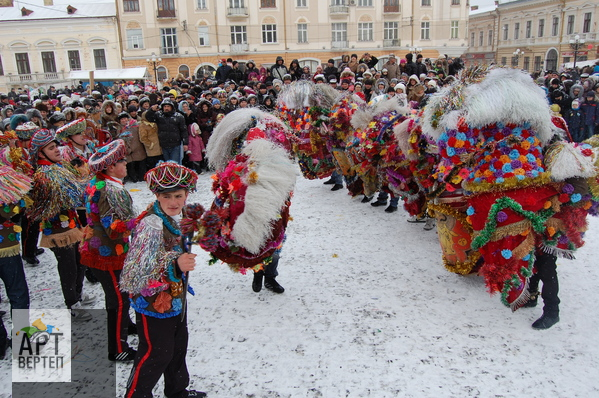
column 172, row 130
column 222, row 73
column 392, row 70
column 277, row 71
column 590, row 112
column 135, row 149
column 148, row 136
column 574, row 120
column 105, row 118
column 236, row 75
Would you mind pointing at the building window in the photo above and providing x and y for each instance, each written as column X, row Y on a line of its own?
column 301, row 3
column 203, row 36
column 1, row 68
column 168, row 40
column 471, row 39
column 184, row 70
column 74, row 60
column 131, row 5
column 166, row 8
column 426, row 2
column 570, row 26
column 202, row 4
column 526, row 65
column 236, row 4
column 339, row 31
column 48, row 61
column 268, row 4
column 481, row 38
column 554, row 26
column 454, row 30
column 161, row 73
column 239, row 34
column 537, row 65
column 528, row 29
column 391, row 30
column 22, row 63
column 516, row 30
column 100, row 58
column 541, row 31
column 365, row 31
column 134, row 39
column 506, row 30
column 503, row 61
column 490, row 38
column 364, row 3
column 425, row 30
column 302, row 32
column 269, row 33
column 455, row 2
column 586, row 23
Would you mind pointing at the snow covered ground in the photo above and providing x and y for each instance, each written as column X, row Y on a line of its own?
column 368, row 311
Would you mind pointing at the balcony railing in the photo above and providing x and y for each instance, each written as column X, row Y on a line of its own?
column 391, row 43
column 339, row 44
column 239, row 48
column 36, row 77
column 169, row 50
column 394, row 9
column 237, row 12
column 338, row 10
column 166, row 14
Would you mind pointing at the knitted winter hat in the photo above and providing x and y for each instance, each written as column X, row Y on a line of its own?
column 170, row 176
column 107, row 155
column 75, row 127
column 40, row 139
column 26, row 130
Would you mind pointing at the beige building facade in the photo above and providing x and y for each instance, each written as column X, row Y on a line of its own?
column 43, row 41
column 190, row 36
column 535, row 35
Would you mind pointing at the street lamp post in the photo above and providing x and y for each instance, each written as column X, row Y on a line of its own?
column 154, row 61
column 415, row 50
column 576, row 44
column 517, row 54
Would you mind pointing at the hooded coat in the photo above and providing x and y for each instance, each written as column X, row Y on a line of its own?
column 105, row 118
column 148, row 136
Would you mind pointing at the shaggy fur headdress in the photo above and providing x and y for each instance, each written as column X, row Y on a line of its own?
column 305, row 94
column 228, row 137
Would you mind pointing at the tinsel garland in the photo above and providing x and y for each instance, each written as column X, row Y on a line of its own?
column 13, row 185
column 55, row 189
column 463, row 267
column 515, row 283
column 141, row 268
column 485, row 235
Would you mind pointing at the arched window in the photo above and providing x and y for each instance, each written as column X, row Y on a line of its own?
column 551, row 59
column 184, row 70
column 206, row 70
column 162, row 73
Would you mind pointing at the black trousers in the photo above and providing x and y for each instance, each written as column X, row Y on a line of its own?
column 547, row 273
column 161, row 351
column 29, row 235
column 117, row 310
column 136, row 170
column 71, row 273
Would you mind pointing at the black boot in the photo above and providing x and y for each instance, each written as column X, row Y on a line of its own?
column 196, row 394
column 391, row 209
column 532, row 301
column 379, row 203
column 366, row 199
column 337, row 187
column 330, row 181
column 546, row 321
column 257, row 282
column 272, row 285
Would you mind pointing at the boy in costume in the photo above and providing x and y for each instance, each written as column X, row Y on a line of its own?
column 110, row 218
column 56, row 194
column 155, row 273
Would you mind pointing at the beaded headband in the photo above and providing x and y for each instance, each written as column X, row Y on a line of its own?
column 107, row 155
column 170, row 176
